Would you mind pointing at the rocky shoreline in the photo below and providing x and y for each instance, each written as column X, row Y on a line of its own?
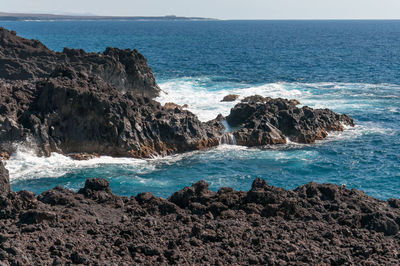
column 92, row 104
column 312, row 224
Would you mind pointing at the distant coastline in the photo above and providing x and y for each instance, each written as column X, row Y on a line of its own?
column 51, row 17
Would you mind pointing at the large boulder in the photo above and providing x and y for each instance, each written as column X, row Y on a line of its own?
column 264, row 121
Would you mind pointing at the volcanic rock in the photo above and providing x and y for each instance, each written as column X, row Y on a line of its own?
column 71, row 113
column 87, row 104
column 4, row 180
column 230, row 98
column 254, row 99
column 127, row 70
column 172, row 106
column 265, row 121
column 318, row 224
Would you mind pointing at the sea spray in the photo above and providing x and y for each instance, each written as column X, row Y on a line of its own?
column 227, row 138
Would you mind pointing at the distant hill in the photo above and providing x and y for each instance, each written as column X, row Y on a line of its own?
column 25, row 16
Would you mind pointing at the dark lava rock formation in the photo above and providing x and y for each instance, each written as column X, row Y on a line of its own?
column 91, row 104
column 74, row 102
column 73, row 113
column 313, row 224
column 266, row 121
column 127, row 70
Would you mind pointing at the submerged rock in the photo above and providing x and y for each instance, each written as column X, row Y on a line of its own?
column 265, row 121
column 313, row 224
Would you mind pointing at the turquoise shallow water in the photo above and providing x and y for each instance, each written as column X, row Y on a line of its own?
column 349, row 66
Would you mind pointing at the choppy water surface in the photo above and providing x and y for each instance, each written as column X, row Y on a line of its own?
column 349, row 66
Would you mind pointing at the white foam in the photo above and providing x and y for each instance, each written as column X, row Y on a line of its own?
column 203, row 96
column 205, row 102
column 25, row 164
column 357, row 131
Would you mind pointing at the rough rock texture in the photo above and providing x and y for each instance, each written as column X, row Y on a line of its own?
column 266, row 121
column 230, row 98
column 89, row 104
column 74, row 113
column 313, row 224
column 4, row 180
column 172, row 106
column 127, row 70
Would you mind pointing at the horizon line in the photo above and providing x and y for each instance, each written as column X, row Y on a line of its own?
column 77, row 16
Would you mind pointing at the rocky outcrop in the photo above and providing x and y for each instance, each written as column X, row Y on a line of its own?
column 88, row 104
column 313, row 224
column 127, row 70
column 73, row 113
column 266, row 121
column 92, row 104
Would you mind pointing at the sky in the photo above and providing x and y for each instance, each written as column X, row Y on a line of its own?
column 221, row 9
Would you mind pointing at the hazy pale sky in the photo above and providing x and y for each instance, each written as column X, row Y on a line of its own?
column 222, row 9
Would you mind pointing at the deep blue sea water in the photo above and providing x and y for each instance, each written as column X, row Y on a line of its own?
column 351, row 67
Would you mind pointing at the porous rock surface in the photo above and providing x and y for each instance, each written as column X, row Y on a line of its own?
column 89, row 104
column 266, row 121
column 230, row 98
column 127, row 70
column 73, row 113
column 313, row 224
column 4, row 180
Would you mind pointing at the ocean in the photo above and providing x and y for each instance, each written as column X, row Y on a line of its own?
column 351, row 67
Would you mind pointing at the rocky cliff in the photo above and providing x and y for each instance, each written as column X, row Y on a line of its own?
column 127, row 70
column 73, row 113
column 77, row 102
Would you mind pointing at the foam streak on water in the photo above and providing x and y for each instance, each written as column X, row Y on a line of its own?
column 25, row 164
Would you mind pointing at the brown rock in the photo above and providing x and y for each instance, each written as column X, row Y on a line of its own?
column 230, row 98
column 172, row 106
column 83, row 156
column 4, row 180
